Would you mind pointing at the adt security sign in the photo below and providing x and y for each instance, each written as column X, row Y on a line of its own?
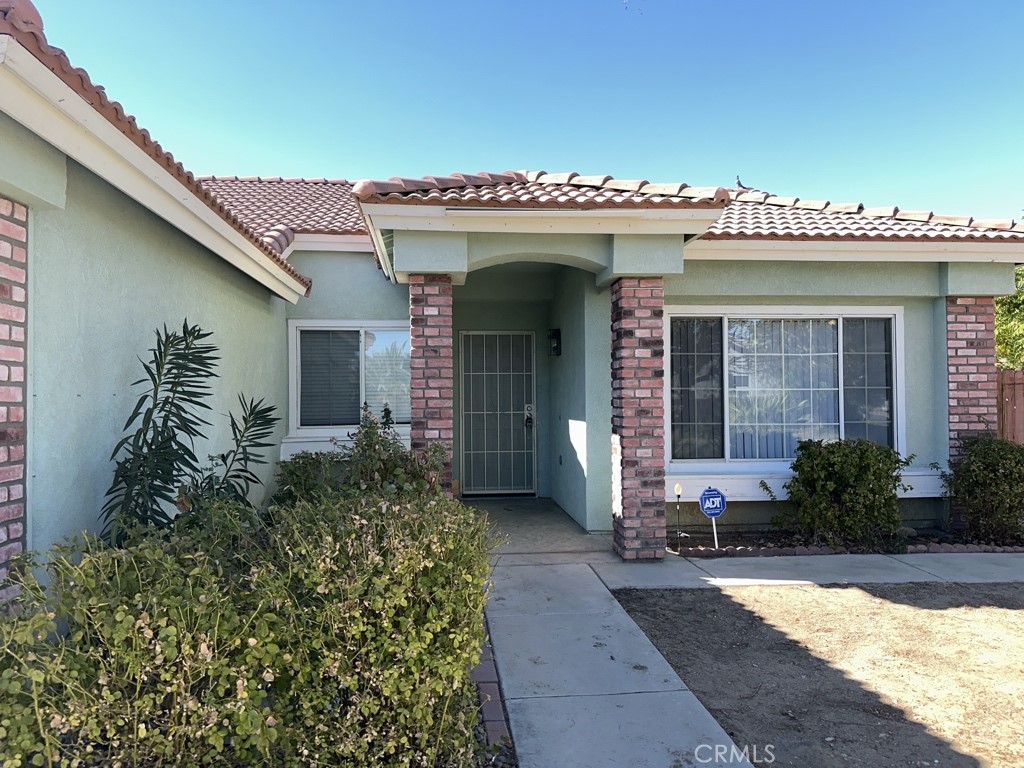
column 712, row 502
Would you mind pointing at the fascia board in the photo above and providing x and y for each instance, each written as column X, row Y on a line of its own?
column 541, row 221
column 329, row 243
column 808, row 250
column 35, row 97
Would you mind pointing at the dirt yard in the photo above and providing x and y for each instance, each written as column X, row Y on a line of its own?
column 879, row 676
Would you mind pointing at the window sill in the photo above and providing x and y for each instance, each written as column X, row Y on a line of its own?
column 743, row 483
column 324, row 439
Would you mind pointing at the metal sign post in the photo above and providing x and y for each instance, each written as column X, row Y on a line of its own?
column 712, row 504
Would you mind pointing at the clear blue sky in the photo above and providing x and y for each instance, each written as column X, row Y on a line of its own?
column 917, row 103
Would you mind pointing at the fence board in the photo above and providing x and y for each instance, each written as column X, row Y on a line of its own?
column 1011, row 405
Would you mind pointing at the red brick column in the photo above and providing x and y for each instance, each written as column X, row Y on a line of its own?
column 638, row 417
column 432, row 363
column 13, row 321
column 971, row 360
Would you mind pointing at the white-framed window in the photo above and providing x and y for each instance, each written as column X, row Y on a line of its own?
column 746, row 384
column 336, row 366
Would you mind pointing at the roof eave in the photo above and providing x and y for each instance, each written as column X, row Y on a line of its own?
column 625, row 220
column 892, row 250
column 37, row 98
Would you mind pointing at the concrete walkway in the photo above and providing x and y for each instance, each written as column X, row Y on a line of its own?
column 584, row 686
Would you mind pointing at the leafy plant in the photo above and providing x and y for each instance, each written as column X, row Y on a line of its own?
column 156, row 466
column 376, row 461
column 844, row 492
column 987, row 486
column 342, row 634
column 230, row 475
column 167, row 422
column 1010, row 326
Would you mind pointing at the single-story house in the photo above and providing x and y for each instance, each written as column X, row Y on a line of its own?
column 592, row 340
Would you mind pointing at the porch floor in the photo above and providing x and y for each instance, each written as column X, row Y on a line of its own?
column 536, row 526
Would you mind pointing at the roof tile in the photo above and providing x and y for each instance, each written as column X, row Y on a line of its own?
column 301, row 206
column 748, row 214
column 879, row 212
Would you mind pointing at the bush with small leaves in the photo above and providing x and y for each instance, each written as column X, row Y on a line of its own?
column 844, row 493
column 375, row 461
column 987, row 486
column 342, row 632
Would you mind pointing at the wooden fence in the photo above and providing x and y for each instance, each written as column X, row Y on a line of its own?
column 1011, row 405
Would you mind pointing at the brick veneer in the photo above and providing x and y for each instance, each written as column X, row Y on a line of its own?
column 13, row 306
column 971, row 360
column 431, row 361
column 638, row 418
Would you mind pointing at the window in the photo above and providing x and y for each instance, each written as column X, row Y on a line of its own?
column 340, row 368
column 751, row 387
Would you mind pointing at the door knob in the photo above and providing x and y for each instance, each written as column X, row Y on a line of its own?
column 529, row 422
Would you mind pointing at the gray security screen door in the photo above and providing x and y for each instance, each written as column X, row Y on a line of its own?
column 498, row 413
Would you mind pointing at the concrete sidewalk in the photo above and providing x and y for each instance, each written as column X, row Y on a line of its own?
column 584, row 686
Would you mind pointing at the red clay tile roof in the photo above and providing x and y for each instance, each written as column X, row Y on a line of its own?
column 748, row 214
column 538, row 189
column 279, row 208
column 793, row 219
column 20, row 20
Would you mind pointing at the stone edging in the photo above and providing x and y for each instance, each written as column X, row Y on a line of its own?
column 913, row 549
column 495, row 719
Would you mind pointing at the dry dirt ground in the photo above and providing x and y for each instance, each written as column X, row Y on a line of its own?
column 879, row 676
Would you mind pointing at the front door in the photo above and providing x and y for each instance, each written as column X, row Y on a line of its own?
column 498, row 413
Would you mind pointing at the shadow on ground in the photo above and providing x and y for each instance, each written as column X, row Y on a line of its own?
column 788, row 706
column 1008, row 596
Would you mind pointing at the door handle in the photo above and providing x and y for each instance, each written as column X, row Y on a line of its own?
column 529, row 422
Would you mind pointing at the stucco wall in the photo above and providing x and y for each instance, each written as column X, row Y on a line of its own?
column 570, row 435
column 347, row 286
column 106, row 273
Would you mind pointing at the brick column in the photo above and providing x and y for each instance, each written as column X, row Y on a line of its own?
column 13, row 321
column 431, row 361
column 971, row 360
column 638, row 418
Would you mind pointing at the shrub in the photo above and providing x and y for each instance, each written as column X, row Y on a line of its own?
column 844, row 493
column 154, row 665
column 343, row 633
column 376, row 461
column 156, row 467
column 987, row 484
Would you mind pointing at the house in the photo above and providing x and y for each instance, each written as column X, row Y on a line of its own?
column 593, row 340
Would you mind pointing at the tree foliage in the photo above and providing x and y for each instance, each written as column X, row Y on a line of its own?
column 1010, row 327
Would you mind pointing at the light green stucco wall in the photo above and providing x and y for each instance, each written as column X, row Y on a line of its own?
column 31, row 171
column 581, row 401
column 103, row 274
column 347, row 286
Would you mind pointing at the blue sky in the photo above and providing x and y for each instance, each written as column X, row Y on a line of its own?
column 914, row 103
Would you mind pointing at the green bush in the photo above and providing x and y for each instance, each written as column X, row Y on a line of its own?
column 153, row 664
column 375, row 461
column 987, row 485
column 843, row 493
column 341, row 634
